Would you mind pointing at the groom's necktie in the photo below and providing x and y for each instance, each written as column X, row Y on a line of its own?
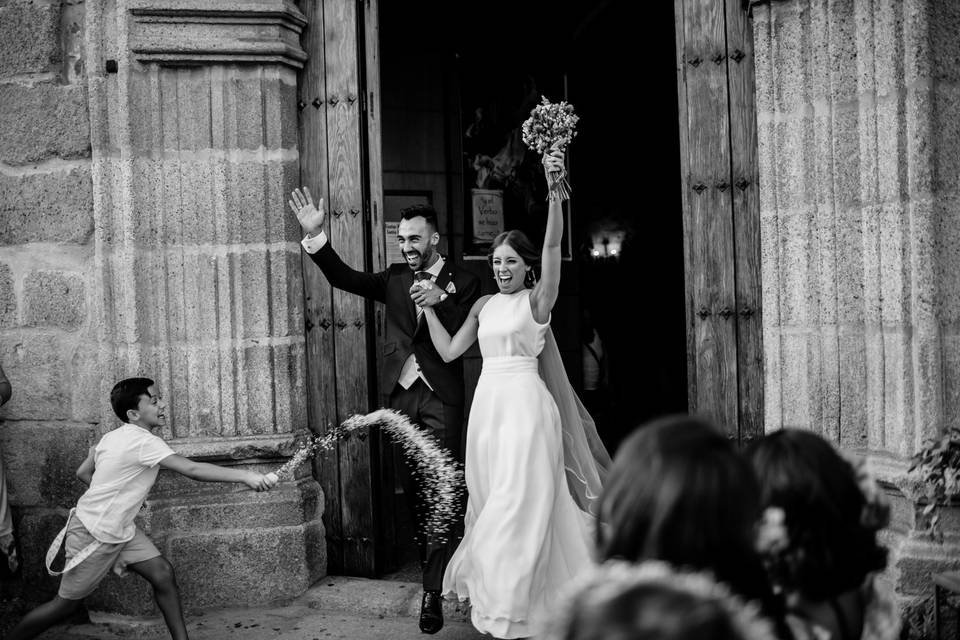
column 418, row 276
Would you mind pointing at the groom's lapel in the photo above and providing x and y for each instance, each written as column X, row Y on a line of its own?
column 445, row 276
column 406, row 280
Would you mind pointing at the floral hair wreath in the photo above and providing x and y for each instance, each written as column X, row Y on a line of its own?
column 615, row 577
column 772, row 534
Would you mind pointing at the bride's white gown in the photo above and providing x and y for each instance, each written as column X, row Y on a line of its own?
column 524, row 537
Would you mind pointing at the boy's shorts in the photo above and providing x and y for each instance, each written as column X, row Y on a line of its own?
column 81, row 580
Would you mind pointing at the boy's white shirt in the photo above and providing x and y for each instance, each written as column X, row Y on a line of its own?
column 125, row 467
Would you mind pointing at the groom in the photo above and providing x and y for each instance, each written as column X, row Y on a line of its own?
column 415, row 380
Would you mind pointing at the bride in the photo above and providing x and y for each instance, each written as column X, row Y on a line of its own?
column 534, row 462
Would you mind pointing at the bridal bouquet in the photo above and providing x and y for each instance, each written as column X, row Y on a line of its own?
column 551, row 124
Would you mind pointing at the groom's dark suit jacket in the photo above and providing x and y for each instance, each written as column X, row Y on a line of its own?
column 404, row 334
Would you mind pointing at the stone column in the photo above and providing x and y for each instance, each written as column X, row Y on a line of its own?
column 859, row 141
column 197, row 270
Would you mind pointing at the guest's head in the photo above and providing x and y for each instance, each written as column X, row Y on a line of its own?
column 679, row 491
column 828, row 511
column 652, row 601
column 514, row 260
column 418, row 236
column 137, row 401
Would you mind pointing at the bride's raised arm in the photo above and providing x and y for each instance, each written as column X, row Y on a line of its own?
column 544, row 294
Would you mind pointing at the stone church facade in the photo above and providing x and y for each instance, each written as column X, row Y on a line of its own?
column 146, row 150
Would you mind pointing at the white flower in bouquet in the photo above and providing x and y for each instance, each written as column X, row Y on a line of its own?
column 551, row 125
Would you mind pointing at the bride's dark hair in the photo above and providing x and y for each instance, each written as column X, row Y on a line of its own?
column 519, row 242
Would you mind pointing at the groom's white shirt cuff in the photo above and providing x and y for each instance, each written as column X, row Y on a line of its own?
column 314, row 244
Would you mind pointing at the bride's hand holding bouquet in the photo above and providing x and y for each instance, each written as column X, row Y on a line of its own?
column 553, row 166
column 551, row 127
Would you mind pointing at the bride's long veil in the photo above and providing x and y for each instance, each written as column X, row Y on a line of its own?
column 585, row 457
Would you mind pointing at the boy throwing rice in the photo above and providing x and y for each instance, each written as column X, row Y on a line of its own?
column 100, row 532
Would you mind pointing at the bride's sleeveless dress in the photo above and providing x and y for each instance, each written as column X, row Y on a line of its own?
column 524, row 537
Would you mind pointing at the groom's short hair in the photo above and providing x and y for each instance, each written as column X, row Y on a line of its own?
column 425, row 211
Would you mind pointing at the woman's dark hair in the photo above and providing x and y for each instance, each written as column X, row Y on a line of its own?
column 125, row 395
column 519, row 242
column 832, row 549
column 680, row 492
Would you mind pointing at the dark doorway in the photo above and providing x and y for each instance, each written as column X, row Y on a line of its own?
column 441, row 61
column 628, row 206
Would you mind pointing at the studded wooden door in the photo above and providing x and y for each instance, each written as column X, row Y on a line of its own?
column 715, row 79
column 338, row 99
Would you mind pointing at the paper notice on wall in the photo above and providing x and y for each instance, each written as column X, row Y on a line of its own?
column 390, row 230
column 487, row 214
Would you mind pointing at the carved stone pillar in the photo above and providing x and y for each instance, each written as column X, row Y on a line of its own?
column 194, row 129
column 860, row 187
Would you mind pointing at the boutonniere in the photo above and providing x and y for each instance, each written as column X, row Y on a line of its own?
column 451, row 288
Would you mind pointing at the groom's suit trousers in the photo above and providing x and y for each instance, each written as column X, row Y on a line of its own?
column 445, row 423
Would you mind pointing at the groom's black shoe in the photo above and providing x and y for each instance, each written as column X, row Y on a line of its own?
column 431, row 612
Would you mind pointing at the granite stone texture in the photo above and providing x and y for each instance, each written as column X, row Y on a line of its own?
column 47, row 206
column 43, row 121
column 878, row 157
column 29, row 37
column 54, row 299
column 8, row 298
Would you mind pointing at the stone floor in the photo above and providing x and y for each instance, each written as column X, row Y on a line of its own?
column 335, row 607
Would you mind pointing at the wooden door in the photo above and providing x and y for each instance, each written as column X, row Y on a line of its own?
column 718, row 148
column 339, row 161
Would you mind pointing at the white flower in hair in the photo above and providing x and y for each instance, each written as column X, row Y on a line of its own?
column 772, row 535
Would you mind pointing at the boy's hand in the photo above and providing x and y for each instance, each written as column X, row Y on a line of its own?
column 257, row 481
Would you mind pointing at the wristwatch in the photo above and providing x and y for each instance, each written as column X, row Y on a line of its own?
column 443, row 296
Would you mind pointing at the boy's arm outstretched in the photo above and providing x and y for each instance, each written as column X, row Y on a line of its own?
column 206, row 472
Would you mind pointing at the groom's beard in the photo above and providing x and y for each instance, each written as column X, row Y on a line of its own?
column 418, row 261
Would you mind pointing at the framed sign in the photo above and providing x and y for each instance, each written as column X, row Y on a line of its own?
column 487, row 209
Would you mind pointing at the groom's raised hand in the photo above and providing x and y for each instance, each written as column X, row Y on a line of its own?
column 309, row 216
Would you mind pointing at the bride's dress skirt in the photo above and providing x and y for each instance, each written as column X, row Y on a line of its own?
column 524, row 537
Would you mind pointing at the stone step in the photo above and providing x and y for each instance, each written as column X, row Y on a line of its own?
column 370, row 597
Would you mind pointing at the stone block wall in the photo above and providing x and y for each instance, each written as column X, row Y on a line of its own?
column 858, row 107
column 46, row 258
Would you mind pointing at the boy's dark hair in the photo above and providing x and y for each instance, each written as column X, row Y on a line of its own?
column 832, row 548
column 125, row 395
column 425, row 211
